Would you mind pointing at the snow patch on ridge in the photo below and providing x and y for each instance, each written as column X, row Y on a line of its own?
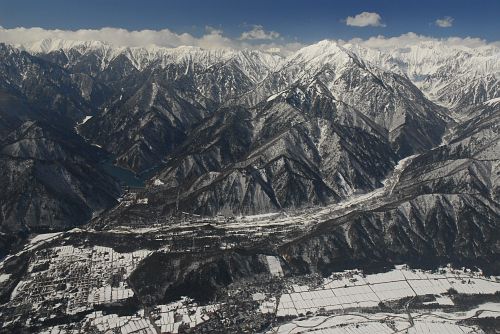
column 492, row 101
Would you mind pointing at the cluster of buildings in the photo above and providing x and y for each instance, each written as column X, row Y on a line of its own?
column 68, row 280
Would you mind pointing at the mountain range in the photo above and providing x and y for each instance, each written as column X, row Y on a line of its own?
column 245, row 132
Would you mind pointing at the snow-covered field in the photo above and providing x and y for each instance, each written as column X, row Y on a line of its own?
column 371, row 323
column 353, row 290
column 173, row 315
column 377, row 323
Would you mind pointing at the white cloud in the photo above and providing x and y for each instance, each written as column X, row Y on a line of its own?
column 411, row 38
column 212, row 39
column 365, row 19
column 114, row 36
column 445, row 22
column 258, row 33
column 213, row 30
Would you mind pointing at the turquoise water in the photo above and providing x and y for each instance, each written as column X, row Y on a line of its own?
column 127, row 177
column 124, row 176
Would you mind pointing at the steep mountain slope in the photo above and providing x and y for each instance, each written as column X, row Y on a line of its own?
column 443, row 207
column 151, row 97
column 142, row 129
column 50, row 176
column 301, row 147
column 334, row 125
column 47, row 87
column 50, row 181
column 414, row 124
column 456, row 76
column 219, row 74
column 263, row 176
column 437, row 207
column 215, row 78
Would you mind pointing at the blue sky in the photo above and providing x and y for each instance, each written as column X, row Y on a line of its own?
column 304, row 21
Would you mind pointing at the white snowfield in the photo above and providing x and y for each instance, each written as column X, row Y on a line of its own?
column 274, row 265
column 163, row 319
column 83, row 121
column 353, row 290
column 125, row 324
column 40, row 239
column 35, row 242
column 350, row 289
column 4, row 277
column 110, row 323
column 142, row 57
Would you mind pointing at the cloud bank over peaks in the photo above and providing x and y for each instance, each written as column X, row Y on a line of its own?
column 213, row 38
column 410, row 39
column 257, row 38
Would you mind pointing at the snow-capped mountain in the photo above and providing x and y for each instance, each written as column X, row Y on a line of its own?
column 455, row 76
column 238, row 131
column 444, row 204
column 142, row 57
column 389, row 99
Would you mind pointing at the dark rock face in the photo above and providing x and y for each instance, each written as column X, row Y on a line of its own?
column 147, row 126
column 48, row 88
